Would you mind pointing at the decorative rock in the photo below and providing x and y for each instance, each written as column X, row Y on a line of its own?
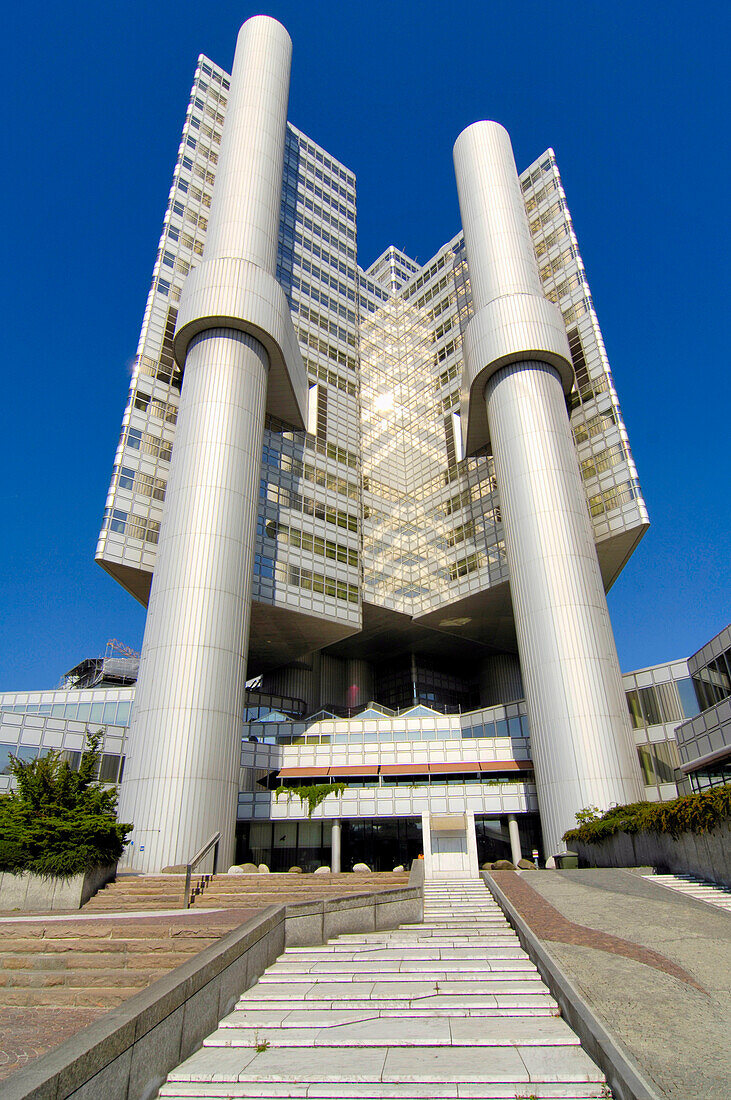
column 526, row 865
column 399, row 868
column 503, row 865
column 550, row 864
column 294, row 871
column 322, row 871
column 361, row 867
column 263, row 869
column 249, row 868
column 237, row 869
column 486, row 867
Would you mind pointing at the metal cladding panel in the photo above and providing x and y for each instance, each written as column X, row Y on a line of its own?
column 244, row 223
column 186, row 721
column 513, row 320
column 181, row 779
column 580, row 735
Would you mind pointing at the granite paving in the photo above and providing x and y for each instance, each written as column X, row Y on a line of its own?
column 653, row 964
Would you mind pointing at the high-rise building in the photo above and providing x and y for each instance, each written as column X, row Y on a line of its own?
column 399, row 488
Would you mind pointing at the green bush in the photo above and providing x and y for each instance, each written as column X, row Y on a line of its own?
column 313, row 795
column 694, row 813
column 58, row 821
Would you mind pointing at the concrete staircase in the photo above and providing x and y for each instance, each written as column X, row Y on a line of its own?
column 90, row 963
column 143, row 893
column 452, row 1007
column 696, row 888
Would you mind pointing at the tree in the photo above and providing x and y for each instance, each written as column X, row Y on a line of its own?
column 59, row 821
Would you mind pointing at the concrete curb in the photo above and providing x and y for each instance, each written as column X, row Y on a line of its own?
column 128, row 1052
column 623, row 1074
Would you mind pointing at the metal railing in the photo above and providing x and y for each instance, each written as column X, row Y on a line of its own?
column 204, row 879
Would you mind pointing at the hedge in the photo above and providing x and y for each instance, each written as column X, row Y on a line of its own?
column 694, row 813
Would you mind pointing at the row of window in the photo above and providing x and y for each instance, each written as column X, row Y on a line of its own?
column 537, row 173
column 163, row 410
column 605, row 460
column 713, row 681
column 287, row 498
column 337, row 381
column 660, row 703
column 304, row 578
column 144, row 484
column 332, row 327
column 110, row 713
column 148, row 444
column 135, row 527
column 310, row 339
column 316, row 544
column 614, row 497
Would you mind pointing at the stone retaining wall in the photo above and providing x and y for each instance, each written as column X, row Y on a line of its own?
column 707, row 855
column 30, row 893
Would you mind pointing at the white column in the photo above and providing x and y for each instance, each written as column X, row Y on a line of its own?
column 515, row 851
column 580, row 735
column 181, row 774
column 335, row 835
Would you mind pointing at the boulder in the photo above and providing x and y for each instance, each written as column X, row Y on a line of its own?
column 294, row 871
column 248, row 869
column 503, row 865
column 321, row 871
column 361, row 867
column 237, row 869
column 486, row 867
column 551, row 864
column 263, row 869
column 399, row 868
column 526, row 865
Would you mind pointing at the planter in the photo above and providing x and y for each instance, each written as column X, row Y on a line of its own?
column 707, row 855
column 27, row 892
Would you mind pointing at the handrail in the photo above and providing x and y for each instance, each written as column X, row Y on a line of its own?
column 190, row 867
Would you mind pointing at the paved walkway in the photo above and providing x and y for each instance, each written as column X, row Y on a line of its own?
column 448, row 1008
column 653, row 964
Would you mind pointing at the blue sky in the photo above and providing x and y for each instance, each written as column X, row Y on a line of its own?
column 633, row 98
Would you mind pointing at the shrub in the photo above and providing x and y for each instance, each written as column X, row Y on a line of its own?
column 313, row 796
column 694, row 813
column 58, row 821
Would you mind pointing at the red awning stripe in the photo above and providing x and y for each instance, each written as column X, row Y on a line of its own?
column 298, row 773
column 447, row 767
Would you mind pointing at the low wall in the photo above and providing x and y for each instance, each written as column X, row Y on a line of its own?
column 707, row 855
column 29, row 893
column 128, row 1052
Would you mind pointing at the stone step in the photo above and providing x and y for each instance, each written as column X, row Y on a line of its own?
column 397, row 996
column 518, row 1066
column 389, row 1091
column 405, row 1032
column 100, row 953
column 506, row 1006
column 59, row 996
column 82, row 979
column 372, row 952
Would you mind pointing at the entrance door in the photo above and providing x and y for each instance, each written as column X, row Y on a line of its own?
column 449, row 854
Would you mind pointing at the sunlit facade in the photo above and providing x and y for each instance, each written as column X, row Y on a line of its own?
column 379, row 575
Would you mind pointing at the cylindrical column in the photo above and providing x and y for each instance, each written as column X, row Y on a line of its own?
column 581, row 741
column 335, row 837
column 516, row 853
column 181, row 773
column 359, row 677
column 500, row 679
